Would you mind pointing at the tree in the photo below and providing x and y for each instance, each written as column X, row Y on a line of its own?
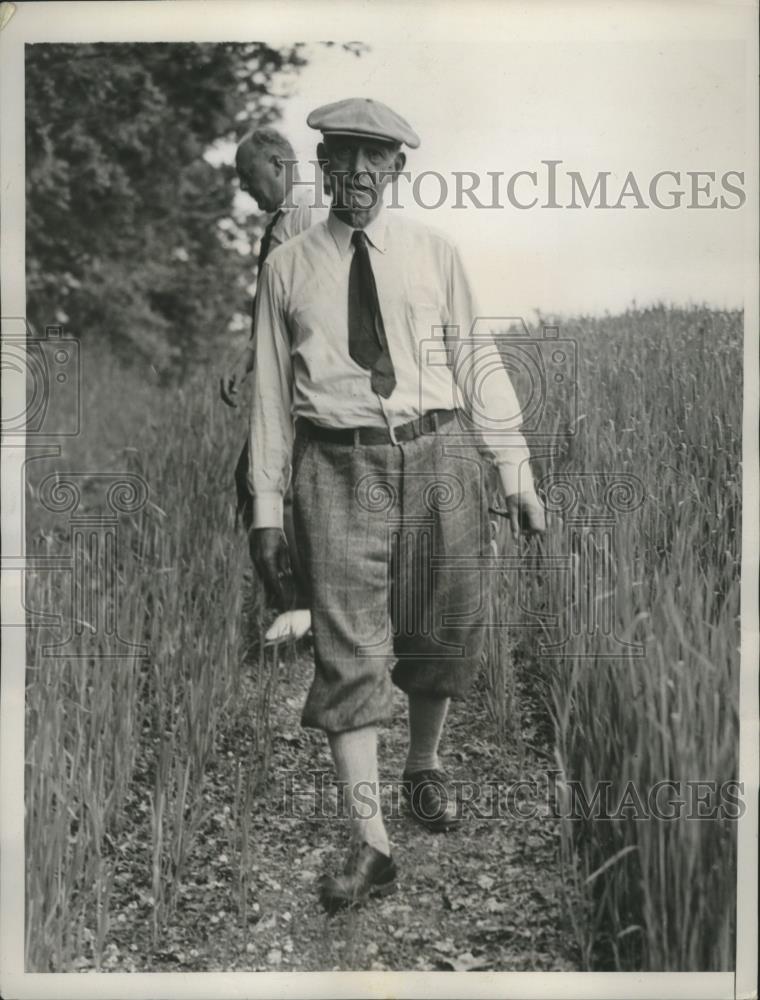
column 123, row 212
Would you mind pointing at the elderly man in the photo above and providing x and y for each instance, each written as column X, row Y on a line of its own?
column 362, row 334
column 265, row 164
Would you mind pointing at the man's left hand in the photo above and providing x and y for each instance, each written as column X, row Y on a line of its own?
column 526, row 514
column 232, row 379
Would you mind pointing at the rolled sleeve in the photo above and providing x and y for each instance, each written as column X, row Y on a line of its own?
column 486, row 390
column 267, row 510
column 516, row 478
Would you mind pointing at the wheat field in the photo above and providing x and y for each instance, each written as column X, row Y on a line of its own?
column 659, row 400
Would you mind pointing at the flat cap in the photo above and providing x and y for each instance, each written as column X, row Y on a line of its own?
column 361, row 116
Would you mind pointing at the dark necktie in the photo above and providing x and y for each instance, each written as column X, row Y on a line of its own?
column 266, row 242
column 367, row 343
column 266, row 239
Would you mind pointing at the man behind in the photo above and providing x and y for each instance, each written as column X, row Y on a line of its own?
column 265, row 165
column 382, row 453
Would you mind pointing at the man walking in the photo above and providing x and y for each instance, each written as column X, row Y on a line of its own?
column 265, row 165
column 363, row 326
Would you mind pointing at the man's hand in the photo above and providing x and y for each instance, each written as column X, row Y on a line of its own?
column 525, row 513
column 232, row 379
column 269, row 552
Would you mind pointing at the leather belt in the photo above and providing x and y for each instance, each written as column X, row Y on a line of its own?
column 428, row 423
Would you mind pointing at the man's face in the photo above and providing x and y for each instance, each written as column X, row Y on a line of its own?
column 358, row 170
column 262, row 176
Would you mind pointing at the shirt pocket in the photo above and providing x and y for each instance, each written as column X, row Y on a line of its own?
column 426, row 319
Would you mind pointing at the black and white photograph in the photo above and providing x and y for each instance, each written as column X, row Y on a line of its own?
column 379, row 499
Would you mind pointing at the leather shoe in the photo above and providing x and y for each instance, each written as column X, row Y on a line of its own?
column 368, row 872
column 429, row 800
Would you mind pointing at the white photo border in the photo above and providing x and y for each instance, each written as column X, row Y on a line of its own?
column 283, row 21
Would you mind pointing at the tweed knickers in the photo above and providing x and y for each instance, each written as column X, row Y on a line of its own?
column 394, row 541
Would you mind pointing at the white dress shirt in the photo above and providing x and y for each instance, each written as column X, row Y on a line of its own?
column 303, row 368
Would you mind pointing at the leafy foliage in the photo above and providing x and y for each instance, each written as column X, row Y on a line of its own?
column 123, row 210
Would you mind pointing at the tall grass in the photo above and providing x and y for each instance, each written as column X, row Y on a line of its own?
column 660, row 398
column 179, row 578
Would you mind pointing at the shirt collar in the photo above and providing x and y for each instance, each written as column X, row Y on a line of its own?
column 341, row 232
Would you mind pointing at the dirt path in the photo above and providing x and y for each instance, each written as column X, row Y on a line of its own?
column 485, row 897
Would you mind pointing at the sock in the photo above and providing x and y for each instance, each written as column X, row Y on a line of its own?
column 355, row 757
column 426, row 719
